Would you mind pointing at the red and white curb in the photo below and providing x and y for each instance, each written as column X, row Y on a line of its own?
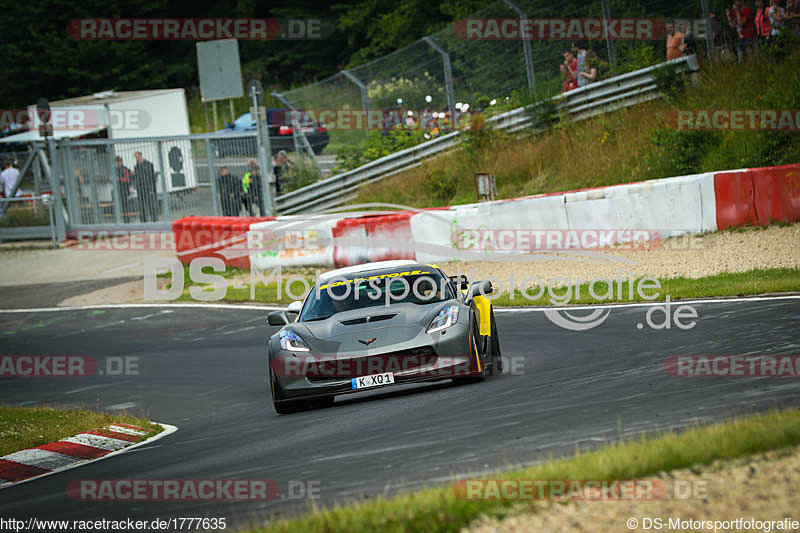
column 71, row 452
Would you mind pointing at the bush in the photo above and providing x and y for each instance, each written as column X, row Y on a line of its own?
column 378, row 144
column 302, row 172
column 442, row 186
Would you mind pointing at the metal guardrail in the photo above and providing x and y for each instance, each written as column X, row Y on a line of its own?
column 601, row 97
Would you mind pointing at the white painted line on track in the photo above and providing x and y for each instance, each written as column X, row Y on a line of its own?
column 92, row 387
column 122, row 406
column 681, row 301
column 123, row 267
column 135, row 306
column 498, row 309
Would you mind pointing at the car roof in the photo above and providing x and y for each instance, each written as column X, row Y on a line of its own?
column 367, row 267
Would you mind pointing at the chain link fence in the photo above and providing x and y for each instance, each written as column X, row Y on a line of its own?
column 112, row 182
column 443, row 69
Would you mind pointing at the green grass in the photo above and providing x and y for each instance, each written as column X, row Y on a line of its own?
column 26, row 427
column 438, row 509
column 751, row 282
column 264, row 293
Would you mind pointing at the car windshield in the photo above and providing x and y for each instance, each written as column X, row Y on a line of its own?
column 345, row 294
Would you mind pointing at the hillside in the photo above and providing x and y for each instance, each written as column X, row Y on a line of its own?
column 627, row 145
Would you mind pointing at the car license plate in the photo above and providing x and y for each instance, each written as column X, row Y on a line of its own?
column 375, row 380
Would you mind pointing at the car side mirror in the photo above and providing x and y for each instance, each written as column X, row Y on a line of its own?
column 277, row 318
column 229, row 125
column 281, row 318
column 479, row 288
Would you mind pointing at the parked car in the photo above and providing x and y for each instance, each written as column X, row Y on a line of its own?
column 281, row 135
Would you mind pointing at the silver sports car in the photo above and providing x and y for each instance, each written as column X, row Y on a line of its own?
column 378, row 325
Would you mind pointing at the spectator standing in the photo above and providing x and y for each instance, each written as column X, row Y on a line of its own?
column 144, row 181
column 124, row 187
column 251, row 188
column 741, row 18
column 586, row 71
column 688, row 44
column 230, row 192
column 569, row 70
column 780, row 19
column 280, row 168
column 763, row 25
column 9, row 177
column 793, row 15
column 674, row 40
column 716, row 29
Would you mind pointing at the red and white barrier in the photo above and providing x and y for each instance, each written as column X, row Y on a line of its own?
column 757, row 196
column 292, row 241
column 373, row 238
column 667, row 207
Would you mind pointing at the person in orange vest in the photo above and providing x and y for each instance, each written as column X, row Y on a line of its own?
column 674, row 40
column 763, row 26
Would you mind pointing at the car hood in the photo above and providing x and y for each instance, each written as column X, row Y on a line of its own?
column 388, row 326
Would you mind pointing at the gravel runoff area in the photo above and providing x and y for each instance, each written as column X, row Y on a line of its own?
column 691, row 256
column 762, row 487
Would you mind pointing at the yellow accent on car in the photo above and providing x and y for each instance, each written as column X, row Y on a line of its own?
column 485, row 311
column 477, row 357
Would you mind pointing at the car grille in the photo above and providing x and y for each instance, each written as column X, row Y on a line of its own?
column 346, row 368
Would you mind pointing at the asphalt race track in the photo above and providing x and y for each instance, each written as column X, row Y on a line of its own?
column 202, row 370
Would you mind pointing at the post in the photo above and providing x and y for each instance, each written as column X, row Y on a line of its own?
column 264, row 147
column 37, row 177
column 526, row 47
column 52, row 222
column 94, row 198
column 205, row 114
column 115, row 186
column 612, row 55
column 73, row 199
column 709, row 36
column 215, row 208
column 164, row 191
column 233, row 113
column 61, row 230
column 363, row 88
column 214, row 113
column 448, row 77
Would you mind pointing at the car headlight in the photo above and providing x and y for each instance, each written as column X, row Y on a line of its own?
column 292, row 342
column 446, row 318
